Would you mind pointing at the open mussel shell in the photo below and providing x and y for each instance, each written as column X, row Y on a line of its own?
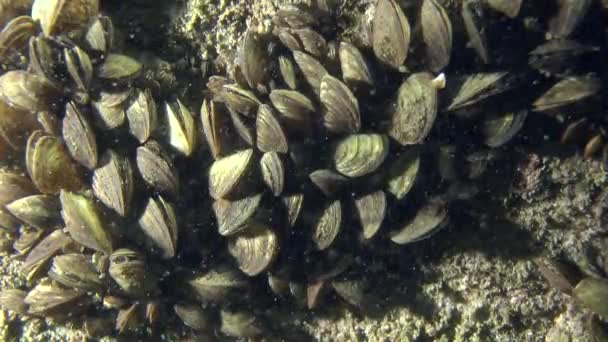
column 414, row 110
column 26, row 91
column 252, row 58
column 156, row 168
column 129, row 270
column 254, row 249
column 269, row 132
column 312, row 70
column 49, row 164
column 568, row 91
column 498, row 129
column 390, row 33
column 159, row 224
column 402, row 173
column 39, row 255
column 340, row 107
column 118, row 67
column 360, row 154
column 476, row 87
column 273, row 172
column 42, row 58
column 142, row 115
column 329, row 182
column 79, row 137
column 473, row 16
column 293, row 105
column 234, row 216
column 510, row 8
column 15, row 35
column 436, row 33
column 328, row 226
column 59, row 16
column 217, row 285
column 226, row 173
column 47, row 298
column 428, row 219
column 40, row 211
column 182, row 128
column 76, row 271
column 83, row 221
column 371, row 209
column 355, row 71
column 113, row 182
column 568, row 16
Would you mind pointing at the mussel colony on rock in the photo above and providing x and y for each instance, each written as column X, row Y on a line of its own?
column 312, row 147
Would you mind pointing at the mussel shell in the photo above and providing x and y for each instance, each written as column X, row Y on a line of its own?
column 568, row 91
column 474, row 22
column 76, row 271
column 360, row 154
column 40, row 211
column 15, row 35
column 84, row 222
column 44, row 299
column 240, row 324
column 16, row 126
column 269, row 132
column 159, row 224
column 402, row 173
column 79, row 137
column 79, row 67
column 217, row 284
column 390, row 33
column 214, row 128
column 118, row 67
column 329, row 182
column 51, row 245
column 59, row 16
column 157, row 169
column 13, row 300
column 371, row 209
column 293, row 105
column 437, row 34
column 234, row 216
column 427, row 221
column 182, row 128
column 508, row 7
column 26, row 91
column 476, row 87
column 130, row 272
column 293, row 205
column 415, row 109
column 593, row 293
column 112, row 182
column 240, row 100
column 226, row 173
column 312, row 70
column 273, row 172
column 254, row 249
column 328, row 226
column 100, row 34
column 142, row 115
column 340, row 107
column 192, row 316
column 252, row 58
column 49, row 164
column 567, row 18
column 354, row 68
column 14, row 186
column 498, row 129
column 288, row 72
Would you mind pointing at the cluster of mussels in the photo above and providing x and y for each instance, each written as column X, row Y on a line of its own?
column 312, row 150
